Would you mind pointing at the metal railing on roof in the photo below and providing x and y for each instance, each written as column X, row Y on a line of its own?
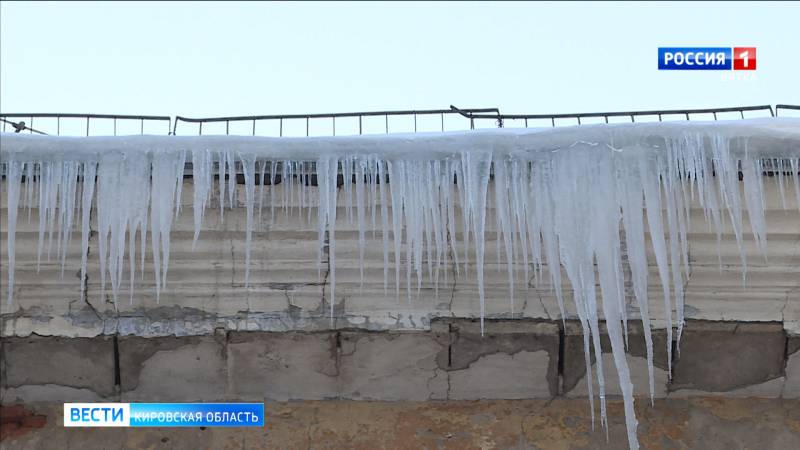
column 20, row 126
column 87, row 125
column 779, row 107
column 281, row 118
column 501, row 118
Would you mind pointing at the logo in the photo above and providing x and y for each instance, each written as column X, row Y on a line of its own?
column 163, row 414
column 706, row 58
column 97, row 414
column 744, row 58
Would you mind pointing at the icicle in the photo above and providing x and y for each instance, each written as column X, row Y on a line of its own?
column 221, row 178
column 347, row 185
column 360, row 213
column 231, row 163
column 476, row 167
column 604, row 237
column 201, row 180
column 164, row 186
column 248, row 167
column 287, row 186
column 44, row 192
column 727, row 174
column 29, row 175
column 795, row 164
column 67, row 210
column 327, row 172
column 384, row 225
column 396, row 176
column 273, row 173
column 652, row 197
column 179, row 169
column 261, row 190
column 13, row 180
column 87, row 194
column 52, row 197
column 754, row 200
column 504, row 219
column 637, row 256
column 779, row 170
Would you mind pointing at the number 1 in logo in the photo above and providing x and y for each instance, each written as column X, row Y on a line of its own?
column 744, row 58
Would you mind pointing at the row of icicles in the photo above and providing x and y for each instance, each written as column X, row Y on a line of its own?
column 574, row 209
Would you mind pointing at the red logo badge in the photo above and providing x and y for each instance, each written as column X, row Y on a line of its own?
column 744, row 58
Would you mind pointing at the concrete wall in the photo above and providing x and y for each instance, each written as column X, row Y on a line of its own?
column 288, row 291
column 209, row 337
column 516, row 359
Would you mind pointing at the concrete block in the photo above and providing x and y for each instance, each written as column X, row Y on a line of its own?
column 168, row 369
column 725, row 356
column 512, row 359
column 520, row 375
column 282, row 366
column 393, row 366
column 38, row 368
column 574, row 379
column 791, row 388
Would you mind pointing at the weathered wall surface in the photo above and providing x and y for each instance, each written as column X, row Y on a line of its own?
column 210, row 338
column 513, row 360
column 289, row 291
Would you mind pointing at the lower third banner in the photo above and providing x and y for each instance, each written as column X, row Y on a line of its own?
column 163, row 414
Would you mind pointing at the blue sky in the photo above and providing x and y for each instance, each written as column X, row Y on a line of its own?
column 204, row 59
